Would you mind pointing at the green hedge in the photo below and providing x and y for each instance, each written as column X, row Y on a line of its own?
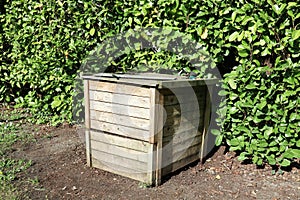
column 260, row 119
column 255, row 42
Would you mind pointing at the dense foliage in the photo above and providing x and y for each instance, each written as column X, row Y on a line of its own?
column 261, row 116
column 43, row 44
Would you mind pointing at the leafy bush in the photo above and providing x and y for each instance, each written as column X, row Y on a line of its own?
column 261, row 115
column 44, row 43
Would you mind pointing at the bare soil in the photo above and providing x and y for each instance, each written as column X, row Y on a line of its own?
column 59, row 166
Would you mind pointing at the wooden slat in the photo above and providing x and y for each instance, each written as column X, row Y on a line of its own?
column 87, row 122
column 208, row 141
column 121, row 170
column 184, row 107
column 185, row 98
column 175, row 120
column 184, row 91
column 179, row 155
column 119, row 160
column 187, row 83
column 184, row 142
column 181, row 136
column 120, row 119
column 159, row 120
column 120, row 109
column 186, row 126
column 124, row 152
column 120, row 141
column 123, row 99
column 179, row 164
column 119, row 88
column 121, row 130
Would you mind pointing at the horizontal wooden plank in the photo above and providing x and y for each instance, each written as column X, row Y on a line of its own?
column 179, row 164
column 120, row 119
column 124, row 152
column 121, row 109
column 187, row 83
column 184, row 91
column 176, row 155
column 121, row 170
column 119, row 88
column 123, row 99
column 121, row 130
column 176, row 119
column 118, row 141
column 173, row 146
column 188, row 126
column 181, row 136
column 185, row 98
column 119, row 160
column 184, row 107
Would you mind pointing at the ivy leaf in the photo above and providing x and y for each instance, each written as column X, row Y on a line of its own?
column 233, row 36
column 232, row 83
column 285, row 163
column 295, row 34
column 92, row 31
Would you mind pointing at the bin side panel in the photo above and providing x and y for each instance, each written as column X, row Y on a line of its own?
column 182, row 132
column 120, row 109
column 124, row 156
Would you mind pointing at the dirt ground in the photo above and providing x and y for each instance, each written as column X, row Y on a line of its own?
column 60, row 172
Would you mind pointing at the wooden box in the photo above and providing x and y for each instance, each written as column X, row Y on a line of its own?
column 145, row 127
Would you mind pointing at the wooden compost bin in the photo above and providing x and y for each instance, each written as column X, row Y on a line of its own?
column 145, row 128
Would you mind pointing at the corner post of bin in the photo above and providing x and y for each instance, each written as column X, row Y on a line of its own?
column 207, row 117
column 157, row 117
column 87, row 121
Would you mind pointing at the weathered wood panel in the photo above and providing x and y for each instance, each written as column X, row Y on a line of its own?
column 175, row 120
column 119, row 88
column 120, row 109
column 124, row 99
column 120, row 141
column 121, row 170
column 120, row 119
column 87, row 122
column 182, row 127
column 124, row 152
column 121, row 130
column 119, row 160
column 179, row 164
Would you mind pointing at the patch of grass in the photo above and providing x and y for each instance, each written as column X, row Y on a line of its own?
column 11, row 131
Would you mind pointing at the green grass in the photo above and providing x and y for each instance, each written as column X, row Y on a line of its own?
column 11, row 131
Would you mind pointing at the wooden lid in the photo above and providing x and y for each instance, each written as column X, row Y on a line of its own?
column 150, row 80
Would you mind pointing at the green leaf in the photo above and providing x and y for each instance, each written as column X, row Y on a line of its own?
column 215, row 132
column 242, row 156
column 271, row 160
column 295, row 34
column 234, row 142
column 219, row 140
column 233, row 36
column 285, row 163
column 232, row 83
column 56, row 103
column 92, row 31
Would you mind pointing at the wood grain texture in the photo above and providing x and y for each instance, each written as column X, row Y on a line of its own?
column 120, row 141
column 121, row 170
column 131, row 111
column 120, row 160
column 121, row 130
column 124, row 152
column 113, row 118
column 124, row 99
column 87, row 121
column 119, row 88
